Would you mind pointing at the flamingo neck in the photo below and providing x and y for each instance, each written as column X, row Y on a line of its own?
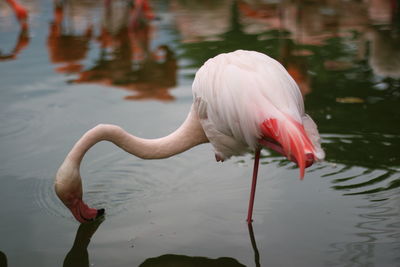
column 188, row 135
column 12, row 3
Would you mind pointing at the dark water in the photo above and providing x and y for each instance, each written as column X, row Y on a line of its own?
column 79, row 64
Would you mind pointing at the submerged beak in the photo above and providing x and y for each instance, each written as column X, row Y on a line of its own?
column 83, row 213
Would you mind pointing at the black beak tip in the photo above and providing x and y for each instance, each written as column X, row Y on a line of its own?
column 100, row 213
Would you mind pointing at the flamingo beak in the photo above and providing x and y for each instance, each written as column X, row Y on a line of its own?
column 83, row 213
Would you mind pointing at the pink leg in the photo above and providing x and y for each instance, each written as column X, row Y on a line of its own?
column 253, row 186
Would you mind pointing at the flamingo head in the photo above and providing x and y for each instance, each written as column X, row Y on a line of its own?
column 68, row 187
column 21, row 13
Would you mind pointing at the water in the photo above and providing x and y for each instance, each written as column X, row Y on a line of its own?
column 66, row 77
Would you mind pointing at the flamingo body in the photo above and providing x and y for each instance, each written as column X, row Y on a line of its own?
column 244, row 96
column 243, row 100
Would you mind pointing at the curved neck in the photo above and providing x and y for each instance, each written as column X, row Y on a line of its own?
column 188, row 135
column 12, row 3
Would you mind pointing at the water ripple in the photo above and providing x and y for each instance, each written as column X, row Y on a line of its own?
column 16, row 122
column 46, row 199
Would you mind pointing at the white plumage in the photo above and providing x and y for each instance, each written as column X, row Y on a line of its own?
column 235, row 92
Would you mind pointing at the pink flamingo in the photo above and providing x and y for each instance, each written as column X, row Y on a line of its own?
column 242, row 101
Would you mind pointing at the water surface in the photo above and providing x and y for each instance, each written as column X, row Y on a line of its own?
column 80, row 64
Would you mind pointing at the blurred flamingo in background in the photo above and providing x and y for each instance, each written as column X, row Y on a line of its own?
column 20, row 11
column 126, row 60
column 243, row 100
column 22, row 42
column 68, row 41
column 142, row 13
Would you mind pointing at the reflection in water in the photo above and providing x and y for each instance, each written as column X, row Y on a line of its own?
column 384, row 55
column 22, row 42
column 384, row 38
column 3, row 259
column 150, row 78
column 199, row 21
column 378, row 231
column 254, row 245
column 65, row 45
column 349, row 73
column 329, row 50
column 187, row 261
column 237, row 36
column 346, row 65
column 78, row 255
column 125, row 59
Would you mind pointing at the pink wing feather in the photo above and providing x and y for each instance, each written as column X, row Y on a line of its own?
column 292, row 141
column 246, row 98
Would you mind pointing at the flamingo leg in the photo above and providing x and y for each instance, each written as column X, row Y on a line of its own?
column 253, row 186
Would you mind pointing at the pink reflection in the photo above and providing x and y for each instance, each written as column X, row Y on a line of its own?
column 201, row 20
column 21, row 14
column 314, row 22
column 125, row 59
column 67, row 51
column 68, row 46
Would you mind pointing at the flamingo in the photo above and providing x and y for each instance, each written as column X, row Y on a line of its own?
column 243, row 101
column 20, row 11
